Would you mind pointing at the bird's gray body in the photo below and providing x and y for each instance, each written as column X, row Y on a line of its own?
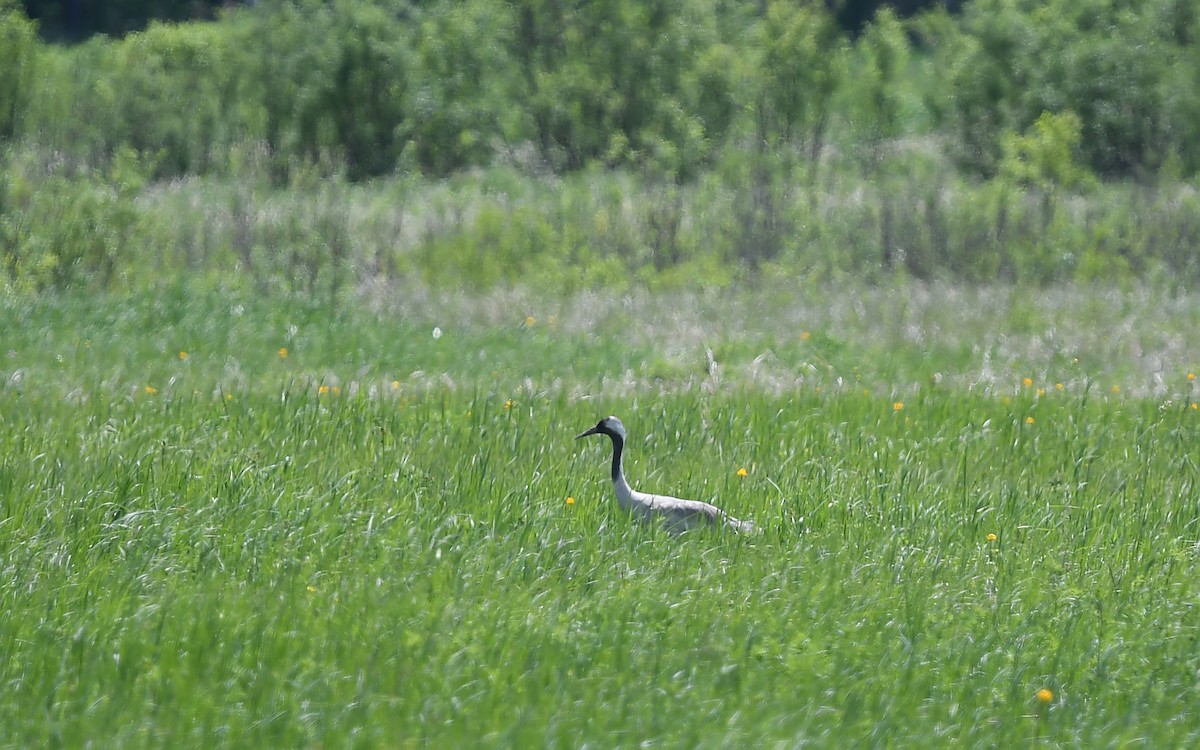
column 676, row 514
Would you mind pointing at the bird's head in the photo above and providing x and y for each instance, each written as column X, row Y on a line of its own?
column 610, row 426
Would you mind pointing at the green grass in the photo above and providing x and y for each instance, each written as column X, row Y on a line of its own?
column 240, row 559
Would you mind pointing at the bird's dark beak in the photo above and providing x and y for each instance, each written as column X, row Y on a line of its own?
column 585, row 433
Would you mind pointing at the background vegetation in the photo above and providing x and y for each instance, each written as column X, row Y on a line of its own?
column 1010, row 140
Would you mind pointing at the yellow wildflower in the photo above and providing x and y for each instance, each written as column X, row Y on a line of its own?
column 283, row 352
column 530, row 321
column 570, row 500
column 991, row 537
column 742, row 472
column 898, row 406
column 183, row 356
column 1028, row 420
column 151, row 390
column 1058, row 386
column 805, row 335
column 1191, row 376
column 1028, row 382
column 508, row 405
column 1116, row 389
column 1045, row 695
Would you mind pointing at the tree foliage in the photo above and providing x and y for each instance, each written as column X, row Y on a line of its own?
column 18, row 53
column 372, row 87
column 622, row 82
column 1118, row 65
column 798, row 73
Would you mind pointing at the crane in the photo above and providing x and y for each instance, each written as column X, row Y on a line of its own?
column 678, row 515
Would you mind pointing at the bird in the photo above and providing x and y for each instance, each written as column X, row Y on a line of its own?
column 677, row 515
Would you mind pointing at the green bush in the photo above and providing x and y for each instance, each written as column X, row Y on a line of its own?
column 461, row 104
column 60, row 230
column 1118, row 66
column 18, row 60
column 799, row 69
column 622, row 83
column 331, row 79
column 176, row 95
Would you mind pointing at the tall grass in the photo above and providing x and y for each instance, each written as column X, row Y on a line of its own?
column 599, row 230
column 73, row 228
column 269, row 550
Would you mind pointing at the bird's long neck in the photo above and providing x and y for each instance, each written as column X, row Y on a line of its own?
column 618, row 474
column 624, row 494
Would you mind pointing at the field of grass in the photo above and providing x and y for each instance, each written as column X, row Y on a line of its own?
column 230, row 521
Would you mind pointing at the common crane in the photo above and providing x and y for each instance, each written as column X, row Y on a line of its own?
column 678, row 515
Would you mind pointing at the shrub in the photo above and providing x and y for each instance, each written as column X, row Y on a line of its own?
column 621, row 83
column 1119, row 66
column 18, row 60
column 60, row 230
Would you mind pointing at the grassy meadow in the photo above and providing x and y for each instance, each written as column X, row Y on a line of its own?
column 298, row 323
column 237, row 521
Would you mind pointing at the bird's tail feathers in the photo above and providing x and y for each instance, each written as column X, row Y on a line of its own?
column 742, row 527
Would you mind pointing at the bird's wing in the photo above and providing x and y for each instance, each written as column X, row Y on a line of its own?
column 681, row 514
column 692, row 513
column 684, row 509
